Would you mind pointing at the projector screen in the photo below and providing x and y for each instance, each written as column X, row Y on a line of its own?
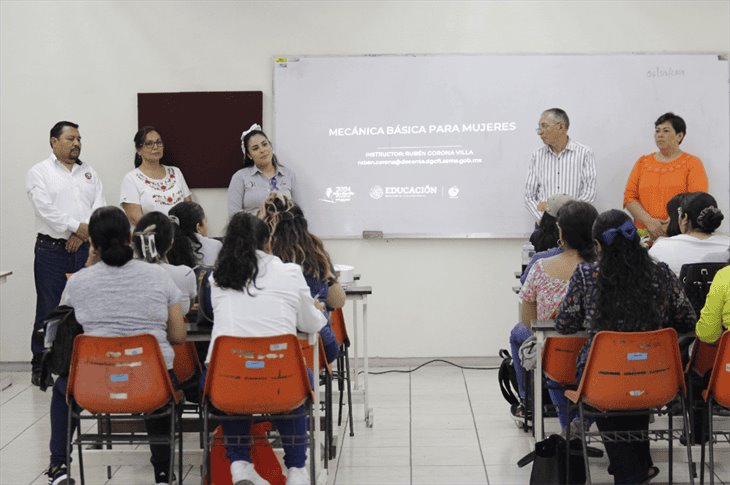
column 438, row 146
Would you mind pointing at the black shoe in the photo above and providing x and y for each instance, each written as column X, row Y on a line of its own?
column 35, row 377
column 161, row 478
column 58, row 475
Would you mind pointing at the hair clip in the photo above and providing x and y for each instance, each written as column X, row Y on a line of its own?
column 174, row 220
column 147, row 245
column 627, row 230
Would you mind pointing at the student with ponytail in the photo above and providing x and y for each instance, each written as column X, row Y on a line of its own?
column 698, row 217
column 255, row 294
column 118, row 296
column 624, row 291
column 194, row 226
column 157, row 240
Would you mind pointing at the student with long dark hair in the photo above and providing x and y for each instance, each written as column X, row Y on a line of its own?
column 118, row 296
column 291, row 241
column 155, row 242
column 255, row 294
column 194, row 226
column 624, row 291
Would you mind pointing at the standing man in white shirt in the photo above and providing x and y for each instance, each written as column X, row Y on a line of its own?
column 64, row 192
column 561, row 166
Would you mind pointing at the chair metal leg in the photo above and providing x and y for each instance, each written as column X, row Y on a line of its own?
column 685, row 422
column 312, row 447
column 108, row 432
column 69, row 437
column 205, row 466
column 341, row 381
column 583, row 443
column 349, row 390
column 712, row 441
column 670, row 422
column 171, row 444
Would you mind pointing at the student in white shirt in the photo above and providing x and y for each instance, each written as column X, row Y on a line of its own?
column 255, row 294
column 64, row 191
column 194, row 225
column 151, row 186
column 699, row 217
column 154, row 237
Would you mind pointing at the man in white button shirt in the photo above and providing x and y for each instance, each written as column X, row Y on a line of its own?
column 561, row 166
column 64, row 192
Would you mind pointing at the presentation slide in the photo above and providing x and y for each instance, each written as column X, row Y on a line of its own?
column 439, row 146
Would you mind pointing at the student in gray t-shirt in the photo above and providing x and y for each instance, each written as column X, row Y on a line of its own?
column 118, row 296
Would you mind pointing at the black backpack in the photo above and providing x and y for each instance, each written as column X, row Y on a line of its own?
column 57, row 359
column 507, row 378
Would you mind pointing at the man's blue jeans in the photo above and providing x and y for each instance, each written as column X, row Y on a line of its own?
column 52, row 262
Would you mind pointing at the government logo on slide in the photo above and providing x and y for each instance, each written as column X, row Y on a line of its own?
column 342, row 193
column 376, row 192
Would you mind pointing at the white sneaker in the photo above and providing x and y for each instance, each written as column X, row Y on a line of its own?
column 297, row 476
column 243, row 473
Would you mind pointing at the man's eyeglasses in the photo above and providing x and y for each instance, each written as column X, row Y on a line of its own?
column 151, row 144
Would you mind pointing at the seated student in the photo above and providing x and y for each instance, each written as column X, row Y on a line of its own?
column 118, row 296
column 154, row 239
column 716, row 313
column 194, row 225
column 255, row 294
column 673, row 210
column 698, row 217
column 292, row 242
column 624, row 291
column 545, row 241
column 547, row 282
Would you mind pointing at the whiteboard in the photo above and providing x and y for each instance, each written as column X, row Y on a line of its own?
column 439, row 145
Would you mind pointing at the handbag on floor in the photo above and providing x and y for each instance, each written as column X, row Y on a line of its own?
column 549, row 460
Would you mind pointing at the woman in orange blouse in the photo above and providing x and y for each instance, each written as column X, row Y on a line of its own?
column 659, row 176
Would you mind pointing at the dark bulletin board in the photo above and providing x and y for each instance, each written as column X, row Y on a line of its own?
column 202, row 131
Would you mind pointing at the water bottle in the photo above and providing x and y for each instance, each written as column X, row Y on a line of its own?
column 528, row 251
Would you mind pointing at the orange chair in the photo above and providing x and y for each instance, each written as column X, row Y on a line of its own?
column 256, row 376
column 629, row 374
column 337, row 321
column 120, row 378
column 559, row 358
column 187, row 370
column 718, row 393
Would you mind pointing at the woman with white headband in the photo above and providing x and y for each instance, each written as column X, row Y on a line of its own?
column 261, row 174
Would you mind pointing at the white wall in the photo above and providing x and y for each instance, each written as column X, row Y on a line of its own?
column 85, row 61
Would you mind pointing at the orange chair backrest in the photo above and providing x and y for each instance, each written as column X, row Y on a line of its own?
column 337, row 321
column 702, row 358
column 119, row 374
column 186, row 363
column 632, row 370
column 308, row 352
column 720, row 379
column 559, row 358
column 257, row 375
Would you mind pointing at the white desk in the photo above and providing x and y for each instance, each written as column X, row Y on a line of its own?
column 359, row 294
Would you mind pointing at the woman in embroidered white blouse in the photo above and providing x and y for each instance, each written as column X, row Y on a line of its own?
column 151, row 186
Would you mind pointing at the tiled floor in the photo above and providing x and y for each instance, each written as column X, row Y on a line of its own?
column 438, row 425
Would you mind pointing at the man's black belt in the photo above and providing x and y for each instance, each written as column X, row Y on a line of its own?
column 51, row 240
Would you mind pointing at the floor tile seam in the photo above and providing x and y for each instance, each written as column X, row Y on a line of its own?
column 24, row 430
column 30, row 387
column 476, row 429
